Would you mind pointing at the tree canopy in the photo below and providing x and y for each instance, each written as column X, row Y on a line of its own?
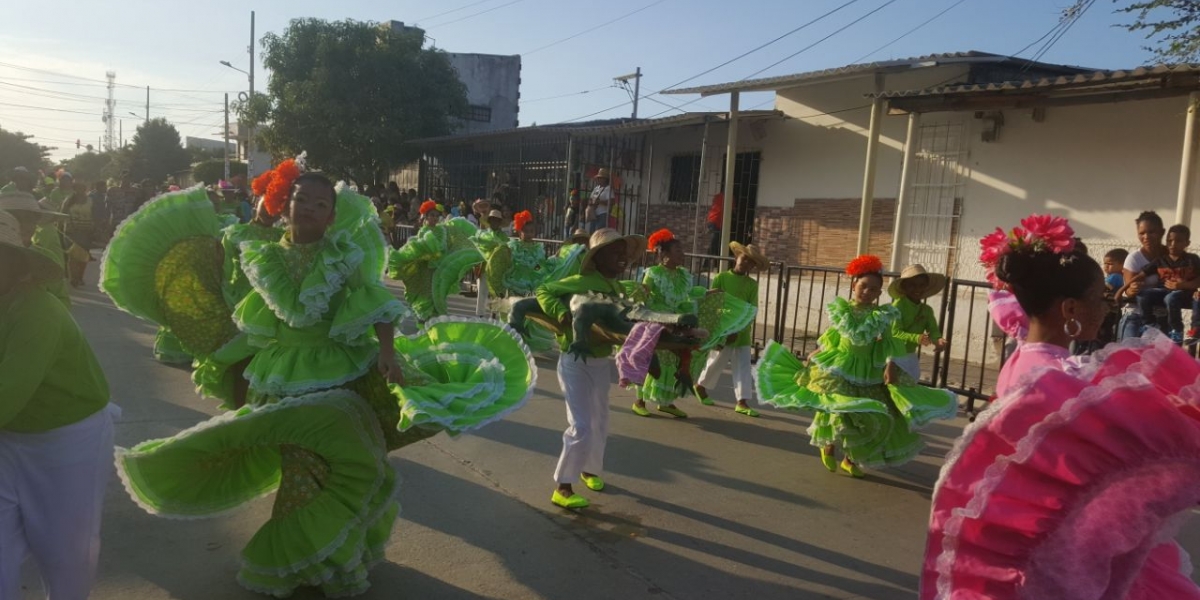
column 17, row 151
column 1172, row 26
column 156, row 152
column 351, row 94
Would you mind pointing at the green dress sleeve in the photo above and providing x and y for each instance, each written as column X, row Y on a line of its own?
column 29, row 350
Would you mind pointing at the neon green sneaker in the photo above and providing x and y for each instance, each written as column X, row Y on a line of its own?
column 572, row 502
column 745, row 410
column 592, row 482
column 671, row 410
column 829, row 460
column 703, row 398
column 640, row 411
column 852, row 469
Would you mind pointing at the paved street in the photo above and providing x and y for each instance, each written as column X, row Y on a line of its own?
column 715, row 506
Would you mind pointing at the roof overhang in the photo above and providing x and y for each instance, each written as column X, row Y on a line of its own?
column 1097, row 87
column 618, row 127
column 824, row 76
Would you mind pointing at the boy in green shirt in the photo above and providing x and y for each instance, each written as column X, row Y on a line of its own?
column 585, row 384
column 736, row 282
column 56, row 429
column 917, row 325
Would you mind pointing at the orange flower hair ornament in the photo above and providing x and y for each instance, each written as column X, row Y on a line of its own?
column 279, row 190
column 521, row 219
column 429, row 205
column 658, row 238
column 262, row 182
column 864, row 265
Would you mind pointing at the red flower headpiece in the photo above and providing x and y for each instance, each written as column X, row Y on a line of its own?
column 429, row 205
column 1037, row 233
column 279, row 190
column 659, row 237
column 864, row 265
column 521, row 219
column 262, row 182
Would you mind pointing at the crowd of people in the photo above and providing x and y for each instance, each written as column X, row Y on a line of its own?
column 281, row 309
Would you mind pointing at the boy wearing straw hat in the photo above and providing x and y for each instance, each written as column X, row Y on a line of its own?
column 917, row 325
column 585, row 383
column 56, row 429
column 738, row 283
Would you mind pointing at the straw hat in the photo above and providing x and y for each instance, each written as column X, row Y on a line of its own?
column 40, row 266
column 579, row 236
column 634, row 246
column 601, row 173
column 751, row 252
column 937, row 281
column 495, row 214
column 24, row 201
column 481, row 206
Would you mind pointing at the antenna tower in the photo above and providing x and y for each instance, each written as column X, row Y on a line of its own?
column 110, row 107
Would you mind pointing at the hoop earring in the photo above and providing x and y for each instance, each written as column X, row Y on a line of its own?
column 1078, row 328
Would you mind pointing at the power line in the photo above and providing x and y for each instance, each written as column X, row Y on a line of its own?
column 814, row 44
column 1072, row 20
column 567, row 95
column 442, row 14
column 910, row 31
column 591, row 29
column 736, row 58
column 104, row 83
column 472, row 15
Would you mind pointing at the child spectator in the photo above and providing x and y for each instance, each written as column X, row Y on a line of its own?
column 1178, row 274
column 1114, row 260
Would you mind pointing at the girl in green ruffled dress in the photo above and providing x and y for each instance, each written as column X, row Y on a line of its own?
column 863, row 402
column 669, row 287
column 324, row 405
column 433, row 263
column 528, row 257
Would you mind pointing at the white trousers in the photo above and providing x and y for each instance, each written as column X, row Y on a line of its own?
column 51, row 495
column 585, row 386
column 743, row 379
column 481, row 299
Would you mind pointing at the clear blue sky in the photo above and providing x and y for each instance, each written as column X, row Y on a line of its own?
column 170, row 45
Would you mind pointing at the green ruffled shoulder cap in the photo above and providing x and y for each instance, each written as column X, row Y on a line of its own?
column 861, row 326
column 356, row 216
column 305, row 303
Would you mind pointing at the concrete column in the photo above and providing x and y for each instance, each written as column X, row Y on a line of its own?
column 868, row 191
column 1187, row 170
column 730, row 165
column 904, row 199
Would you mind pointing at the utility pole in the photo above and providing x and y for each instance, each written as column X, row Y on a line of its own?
column 249, row 128
column 147, row 104
column 636, row 76
column 226, row 136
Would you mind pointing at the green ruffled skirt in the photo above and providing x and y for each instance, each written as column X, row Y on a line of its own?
column 874, row 423
column 722, row 315
column 324, row 454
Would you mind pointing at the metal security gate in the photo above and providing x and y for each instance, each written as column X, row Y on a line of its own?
column 937, row 194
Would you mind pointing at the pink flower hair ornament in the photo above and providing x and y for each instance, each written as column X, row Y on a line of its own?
column 1037, row 233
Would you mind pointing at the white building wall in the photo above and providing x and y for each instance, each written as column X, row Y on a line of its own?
column 681, row 141
column 1098, row 165
column 820, row 152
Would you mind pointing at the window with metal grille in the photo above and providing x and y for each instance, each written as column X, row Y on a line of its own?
column 480, row 114
column 685, row 175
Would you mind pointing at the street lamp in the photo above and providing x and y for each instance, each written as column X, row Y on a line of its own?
column 135, row 115
column 249, row 75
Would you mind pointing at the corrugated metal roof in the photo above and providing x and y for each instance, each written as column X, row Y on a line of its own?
column 606, row 126
column 811, row 77
column 1082, row 80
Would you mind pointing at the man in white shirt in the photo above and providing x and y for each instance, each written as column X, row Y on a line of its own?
column 599, row 202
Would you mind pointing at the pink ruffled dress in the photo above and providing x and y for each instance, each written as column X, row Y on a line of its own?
column 1072, row 486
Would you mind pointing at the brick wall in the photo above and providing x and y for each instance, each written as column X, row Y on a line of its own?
column 812, row 232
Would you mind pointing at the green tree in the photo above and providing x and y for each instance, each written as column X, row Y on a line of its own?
column 352, row 94
column 1172, row 26
column 90, row 166
column 17, row 151
column 212, row 171
column 156, row 152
